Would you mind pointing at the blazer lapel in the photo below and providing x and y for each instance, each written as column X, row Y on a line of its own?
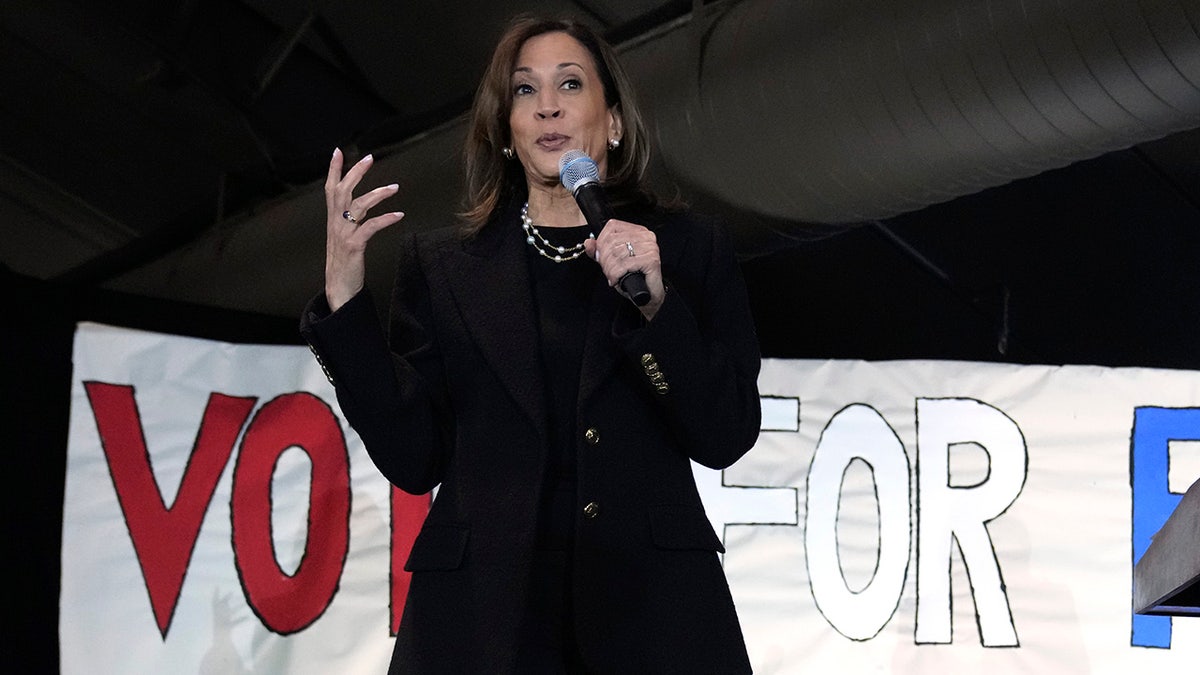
column 489, row 278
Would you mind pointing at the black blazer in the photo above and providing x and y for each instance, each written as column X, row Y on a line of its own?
column 455, row 397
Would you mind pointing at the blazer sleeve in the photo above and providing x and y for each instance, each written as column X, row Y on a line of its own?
column 390, row 389
column 699, row 355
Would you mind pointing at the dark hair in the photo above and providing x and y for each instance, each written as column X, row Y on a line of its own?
column 490, row 178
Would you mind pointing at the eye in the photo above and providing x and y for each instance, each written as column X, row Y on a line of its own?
column 572, row 83
column 522, row 90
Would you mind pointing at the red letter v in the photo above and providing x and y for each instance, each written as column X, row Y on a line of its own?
column 163, row 538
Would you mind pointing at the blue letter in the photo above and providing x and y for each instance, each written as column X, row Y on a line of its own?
column 1153, row 502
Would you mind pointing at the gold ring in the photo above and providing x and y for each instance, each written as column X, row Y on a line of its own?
column 347, row 216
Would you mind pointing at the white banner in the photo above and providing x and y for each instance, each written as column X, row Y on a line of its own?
column 221, row 517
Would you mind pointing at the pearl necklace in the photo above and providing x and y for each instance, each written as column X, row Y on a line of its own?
column 543, row 246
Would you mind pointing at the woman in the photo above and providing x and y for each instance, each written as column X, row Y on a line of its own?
column 558, row 418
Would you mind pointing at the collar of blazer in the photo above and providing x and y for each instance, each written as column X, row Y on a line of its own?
column 489, row 278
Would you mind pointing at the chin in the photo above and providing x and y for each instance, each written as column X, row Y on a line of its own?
column 539, row 177
column 544, row 171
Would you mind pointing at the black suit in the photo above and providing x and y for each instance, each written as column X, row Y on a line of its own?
column 467, row 409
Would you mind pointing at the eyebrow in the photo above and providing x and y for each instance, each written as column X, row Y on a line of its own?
column 565, row 64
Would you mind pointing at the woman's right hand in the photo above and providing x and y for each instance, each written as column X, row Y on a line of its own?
column 345, row 240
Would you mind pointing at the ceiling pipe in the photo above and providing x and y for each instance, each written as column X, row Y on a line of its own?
column 807, row 112
column 822, row 111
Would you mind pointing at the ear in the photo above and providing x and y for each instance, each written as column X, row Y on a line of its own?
column 616, row 126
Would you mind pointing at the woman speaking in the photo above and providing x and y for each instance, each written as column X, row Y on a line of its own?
column 558, row 417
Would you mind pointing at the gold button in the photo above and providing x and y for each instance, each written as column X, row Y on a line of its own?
column 592, row 436
column 662, row 388
column 648, row 359
column 591, row 510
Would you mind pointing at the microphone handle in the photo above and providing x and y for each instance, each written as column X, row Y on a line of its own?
column 594, row 204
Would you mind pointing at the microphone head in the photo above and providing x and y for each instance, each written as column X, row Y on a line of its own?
column 576, row 169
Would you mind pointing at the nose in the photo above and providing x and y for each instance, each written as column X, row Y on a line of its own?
column 548, row 105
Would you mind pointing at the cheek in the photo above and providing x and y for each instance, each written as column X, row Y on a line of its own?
column 516, row 118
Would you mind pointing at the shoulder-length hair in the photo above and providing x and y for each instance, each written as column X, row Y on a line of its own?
column 490, row 178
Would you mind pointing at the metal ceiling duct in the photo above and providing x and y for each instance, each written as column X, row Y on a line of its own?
column 799, row 112
column 825, row 111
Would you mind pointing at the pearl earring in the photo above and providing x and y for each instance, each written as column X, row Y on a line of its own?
column 507, row 152
column 614, row 143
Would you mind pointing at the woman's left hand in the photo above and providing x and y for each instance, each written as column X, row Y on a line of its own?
column 624, row 247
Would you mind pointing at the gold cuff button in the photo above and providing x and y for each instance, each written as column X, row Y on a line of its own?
column 591, row 510
column 592, row 436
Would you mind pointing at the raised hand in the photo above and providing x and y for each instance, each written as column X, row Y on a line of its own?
column 347, row 228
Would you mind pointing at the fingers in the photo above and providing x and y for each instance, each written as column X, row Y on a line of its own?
column 355, row 174
column 359, row 207
column 339, row 193
column 350, row 241
column 339, row 189
column 624, row 247
column 335, row 171
column 368, row 228
column 347, row 226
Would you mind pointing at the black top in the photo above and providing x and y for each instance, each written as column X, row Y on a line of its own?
column 562, row 293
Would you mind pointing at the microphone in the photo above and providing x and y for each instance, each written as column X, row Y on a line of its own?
column 580, row 175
